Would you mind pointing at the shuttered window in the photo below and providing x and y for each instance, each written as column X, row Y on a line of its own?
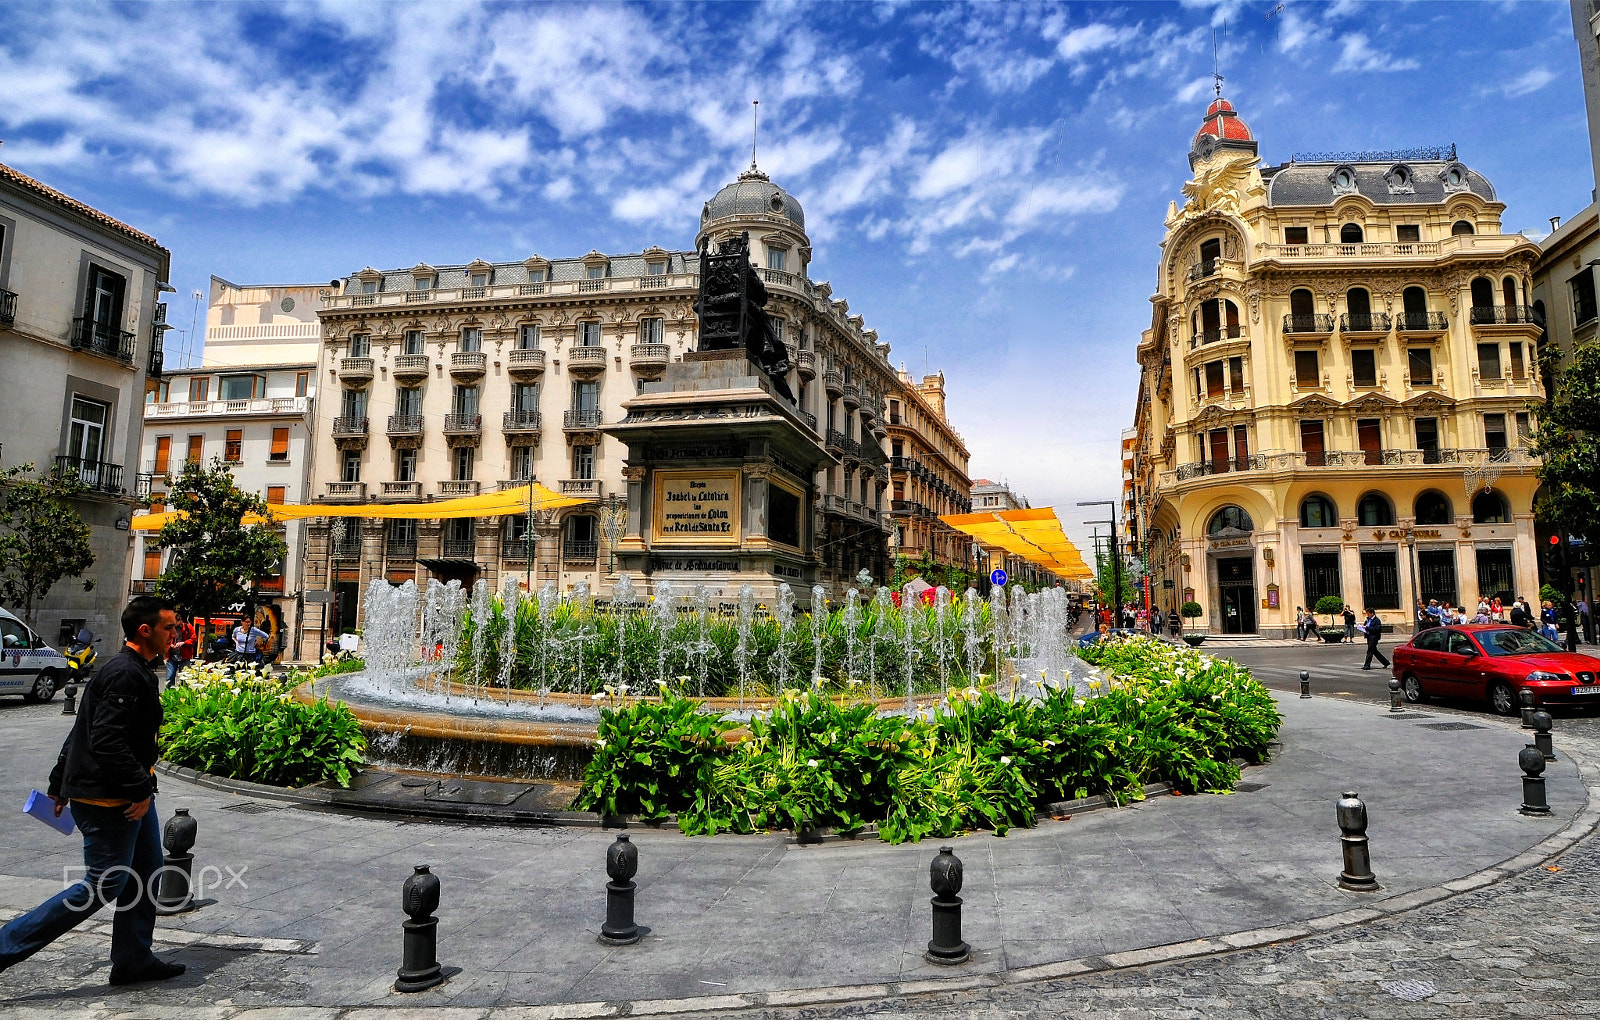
column 280, row 444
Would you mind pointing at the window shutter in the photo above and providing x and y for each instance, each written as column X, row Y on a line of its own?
column 276, row 494
column 280, row 444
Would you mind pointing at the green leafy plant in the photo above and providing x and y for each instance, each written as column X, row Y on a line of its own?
column 42, row 538
column 1329, row 606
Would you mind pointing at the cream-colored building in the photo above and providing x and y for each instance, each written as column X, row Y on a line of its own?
column 1335, row 388
column 927, row 474
column 443, row 381
column 81, row 327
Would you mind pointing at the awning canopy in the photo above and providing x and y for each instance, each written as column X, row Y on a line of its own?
column 492, row 504
column 1035, row 535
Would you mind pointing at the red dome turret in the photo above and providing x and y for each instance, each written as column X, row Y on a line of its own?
column 1221, row 129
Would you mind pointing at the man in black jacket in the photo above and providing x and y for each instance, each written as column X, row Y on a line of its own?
column 106, row 769
column 1372, row 627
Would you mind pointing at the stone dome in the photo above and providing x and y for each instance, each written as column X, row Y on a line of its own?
column 1221, row 121
column 753, row 194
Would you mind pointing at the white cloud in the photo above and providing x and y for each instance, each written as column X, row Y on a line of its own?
column 1530, row 82
column 1357, row 54
column 1090, row 38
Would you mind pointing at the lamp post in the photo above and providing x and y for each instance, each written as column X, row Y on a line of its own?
column 1411, row 556
column 1116, row 567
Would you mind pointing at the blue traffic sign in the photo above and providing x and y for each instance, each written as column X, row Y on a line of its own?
column 998, row 577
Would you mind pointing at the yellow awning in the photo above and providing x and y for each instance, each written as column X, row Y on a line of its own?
column 492, row 504
column 1035, row 535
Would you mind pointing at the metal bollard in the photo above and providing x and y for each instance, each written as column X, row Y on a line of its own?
column 1533, row 800
column 622, row 863
column 1305, row 683
column 1525, row 696
column 69, row 703
column 1357, row 875
column 1541, row 734
column 944, row 875
column 1396, row 704
column 419, row 898
column 175, row 893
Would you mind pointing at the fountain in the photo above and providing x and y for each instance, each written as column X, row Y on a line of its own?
column 785, row 618
column 851, row 620
column 623, row 599
column 819, row 624
column 747, row 615
column 663, row 614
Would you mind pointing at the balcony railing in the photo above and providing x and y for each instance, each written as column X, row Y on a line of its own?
column 1308, row 323
column 580, row 552
column 8, row 307
column 463, row 424
column 347, row 491
column 1219, row 467
column 1506, row 315
column 1211, row 336
column 402, row 548
column 584, row 419
column 1364, row 322
column 521, row 421
column 347, row 546
column 405, row 424
column 586, row 358
column 402, row 490
column 355, row 369
column 833, row 381
column 1422, row 322
column 810, row 418
column 142, row 586
column 1204, row 268
column 459, row 548
column 514, row 549
column 458, row 487
column 589, row 487
column 835, row 440
column 96, row 475
column 468, row 363
column 525, row 362
column 343, row 426
column 260, row 405
column 410, row 366
column 99, row 338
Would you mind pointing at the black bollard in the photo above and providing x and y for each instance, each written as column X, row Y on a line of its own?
column 175, row 893
column 1395, row 702
column 1541, row 734
column 69, row 703
column 1525, row 696
column 419, row 898
column 1357, row 875
column 622, row 863
column 1533, row 800
column 1305, row 683
column 944, row 875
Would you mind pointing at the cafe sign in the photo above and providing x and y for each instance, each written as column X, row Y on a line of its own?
column 695, row 507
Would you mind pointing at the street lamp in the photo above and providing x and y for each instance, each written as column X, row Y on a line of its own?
column 1116, row 572
column 1411, row 551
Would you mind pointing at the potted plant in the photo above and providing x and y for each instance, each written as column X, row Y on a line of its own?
column 1331, row 606
column 1189, row 611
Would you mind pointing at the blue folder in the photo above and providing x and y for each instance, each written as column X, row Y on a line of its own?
column 44, row 809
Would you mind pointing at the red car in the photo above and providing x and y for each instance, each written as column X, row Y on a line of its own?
column 1494, row 664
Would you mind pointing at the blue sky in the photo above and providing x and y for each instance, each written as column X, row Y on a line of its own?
column 986, row 184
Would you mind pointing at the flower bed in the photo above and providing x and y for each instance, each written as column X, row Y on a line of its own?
column 980, row 762
column 243, row 724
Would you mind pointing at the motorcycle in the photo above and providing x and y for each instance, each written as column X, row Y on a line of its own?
column 81, row 657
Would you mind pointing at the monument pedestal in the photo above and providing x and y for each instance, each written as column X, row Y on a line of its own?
column 720, row 477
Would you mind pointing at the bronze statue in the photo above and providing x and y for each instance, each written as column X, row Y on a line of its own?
column 732, row 311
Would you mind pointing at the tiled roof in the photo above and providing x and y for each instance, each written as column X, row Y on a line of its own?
column 27, row 183
column 1308, row 184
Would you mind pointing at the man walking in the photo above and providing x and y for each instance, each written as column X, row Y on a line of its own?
column 1372, row 627
column 106, row 769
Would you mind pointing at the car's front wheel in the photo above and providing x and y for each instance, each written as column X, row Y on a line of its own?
column 44, row 687
column 1502, row 698
column 1413, row 688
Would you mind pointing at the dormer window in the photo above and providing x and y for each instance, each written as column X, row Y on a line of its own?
column 536, row 276
column 480, row 279
column 369, row 286
column 597, row 272
column 1350, row 233
column 1343, row 180
column 1399, row 179
column 424, row 283
column 1454, row 178
column 656, row 269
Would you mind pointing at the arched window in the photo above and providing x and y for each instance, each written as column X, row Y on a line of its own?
column 1461, row 227
column 1374, row 511
column 1508, row 290
column 1318, row 512
column 1219, row 320
column 1301, row 302
column 1350, row 233
column 1358, row 302
column 1482, row 300
column 1490, row 508
column 1230, row 518
column 1434, row 508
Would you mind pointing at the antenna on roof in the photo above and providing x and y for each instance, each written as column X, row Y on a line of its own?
column 1216, row 72
column 755, row 126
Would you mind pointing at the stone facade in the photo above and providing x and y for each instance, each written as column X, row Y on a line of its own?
column 928, row 474
column 1334, row 389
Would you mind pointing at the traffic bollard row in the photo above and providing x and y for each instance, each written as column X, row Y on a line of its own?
column 1541, row 734
column 1525, row 696
column 175, row 892
column 1352, row 815
column 69, row 702
column 1533, row 799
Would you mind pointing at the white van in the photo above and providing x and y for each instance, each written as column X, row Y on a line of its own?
column 30, row 667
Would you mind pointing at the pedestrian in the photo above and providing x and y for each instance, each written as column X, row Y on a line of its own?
column 1547, row 620
column 1586, row 619
column 181, row 652
column 1156, row 620
column 1569, row 613
column 248, row 642
column 1175, row 623
column 1349, row 623
column 1300, row 623
column 1372, row 627
column 1497, row 612
column 106, row 771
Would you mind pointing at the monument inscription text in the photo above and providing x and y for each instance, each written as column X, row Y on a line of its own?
column 696, row 507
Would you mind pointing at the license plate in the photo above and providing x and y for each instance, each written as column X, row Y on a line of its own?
column 1586, row 690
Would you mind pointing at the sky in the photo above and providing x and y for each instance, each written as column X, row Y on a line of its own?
column 985, row 183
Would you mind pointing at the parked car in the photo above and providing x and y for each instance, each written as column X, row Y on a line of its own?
column 30, row 667
column 1495, row 664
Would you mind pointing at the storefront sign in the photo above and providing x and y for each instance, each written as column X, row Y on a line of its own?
column 1229, row 543
column 696, row 507
column 1271, row 601
column 1399, row 536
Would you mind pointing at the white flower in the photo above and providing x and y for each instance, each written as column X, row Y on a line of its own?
column 622, row 688
column 596, row 696
column 601, row 744
column 1079, row 702
column 661, row 683
column 812, row 762
column 683, row 679
column 1005, row 760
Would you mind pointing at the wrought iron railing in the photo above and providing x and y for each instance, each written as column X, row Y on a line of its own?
column 459, row 548
column 99, row 338
column 463, row 423
column 1422, row 322
column 96, row 475
column 8, row 307
column 405, row 424
column 349, row 426
column 580, row 552
column 1308, row 322
column 521, row 421
column 1211, row 336
column 1364, row 322
column 587, row 418
column 1204, row 268
column 1506, row 315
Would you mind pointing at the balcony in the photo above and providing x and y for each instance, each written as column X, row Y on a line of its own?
column 579, row 552
column 1204, row 268
column 833, row 381
column 811, row 420
column 401, row 548
column 514, row 549
column 1308, row 324
column 143, row 484
column 901, row 463
column 586, row 362
column 468, row 364
column 1220, row 467
column 525, row 364
column 463, row 424
column 106, row 341
column 521, row 423
column 346, row 546
column 852, row 396
column 581, row 420
column 459, row 548
column 402, row 490
column 1376, row 323
column 8, row 307
column 453, row 487
column 1211, row 336
column 869, row 409
column 1507, row 320
column 588, row 488
column 649, row 359
column 806, row 363
column 264, row 407
column 356, row 370
column 346, row 492
column 405, row 425
column 906, row 508
column 97, row 476
column 834, row 441
column 410, row 367
column 349, row 428
column 1433, row 323
column 143, row 586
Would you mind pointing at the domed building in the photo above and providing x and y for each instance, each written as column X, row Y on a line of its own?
column 452, row 380
column 1334, row 388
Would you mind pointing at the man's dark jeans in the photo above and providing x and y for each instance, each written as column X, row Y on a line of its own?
column 122, row 860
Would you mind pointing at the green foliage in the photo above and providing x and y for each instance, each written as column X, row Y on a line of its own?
column 1190, row 610
column 1109, row 569
column 216, row 558
column 42, row 538
column 247, row 726
column 981, row 762
column 1329, row 606
column 1568, row 444
column 1551, row 594
column 333, row 665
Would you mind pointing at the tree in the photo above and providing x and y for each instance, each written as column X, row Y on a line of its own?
column 1107, row 567
column 216, row 557
column 1328, row 605
column 42, row 538
column 1568, row 443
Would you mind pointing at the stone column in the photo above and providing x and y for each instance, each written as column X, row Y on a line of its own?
column 754, row 528
column 633, row 539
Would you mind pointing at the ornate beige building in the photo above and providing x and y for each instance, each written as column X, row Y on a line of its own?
column 928, row 474
column 444, row 381
column 1335, row 388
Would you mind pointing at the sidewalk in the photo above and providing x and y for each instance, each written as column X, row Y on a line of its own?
column 757, row 921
